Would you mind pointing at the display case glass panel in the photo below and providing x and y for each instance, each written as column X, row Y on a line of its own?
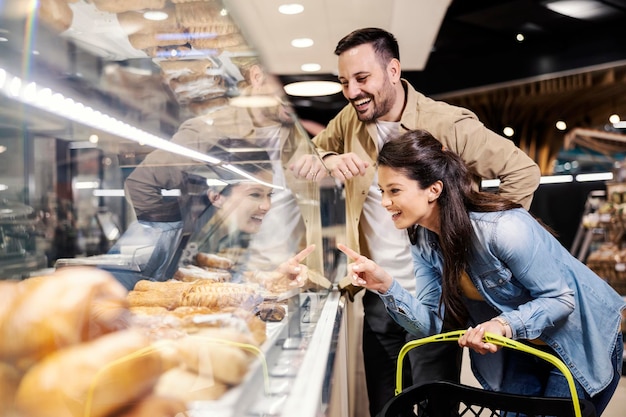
column 148, row 215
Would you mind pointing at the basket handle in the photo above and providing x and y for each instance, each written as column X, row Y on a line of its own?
column 496, row 340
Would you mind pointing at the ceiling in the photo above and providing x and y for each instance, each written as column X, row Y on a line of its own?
column 414, row 22
column 476, row 47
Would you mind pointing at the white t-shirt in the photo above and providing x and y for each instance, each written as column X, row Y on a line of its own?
column 282, row 226
column 389, row 247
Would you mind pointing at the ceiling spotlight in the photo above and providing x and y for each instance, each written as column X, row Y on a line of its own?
column 508, row 131
column 579, row 9
column 313, row 88
column 292, row 8
column 561, row 125
column 312, row 67
column 520, row 37
column 302, row 42
column 614, row 118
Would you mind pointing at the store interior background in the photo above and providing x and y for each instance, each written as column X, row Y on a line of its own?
column 463, row 52
column 565, row 69
column 569, row 69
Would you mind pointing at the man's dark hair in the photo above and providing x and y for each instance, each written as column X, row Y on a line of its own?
column 384, row 43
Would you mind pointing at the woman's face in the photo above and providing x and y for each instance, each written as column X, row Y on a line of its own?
column 246, row 205
column 407, row 203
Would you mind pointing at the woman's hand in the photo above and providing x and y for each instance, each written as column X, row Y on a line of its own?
column 473, row 337
column 365, row 272
column 294, row 269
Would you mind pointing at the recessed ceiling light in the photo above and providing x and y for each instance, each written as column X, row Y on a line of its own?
column 614, row 118
column 311, row 67
column 312, row 88
column 520, row 37
column 293, row 8
column 155, row 15
column 302, row 42
column 508, row 131
column 579, row 9
column 561, row 125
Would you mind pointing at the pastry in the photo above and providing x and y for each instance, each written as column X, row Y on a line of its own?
column 95, row 378
column 213, row 261
column 40, row 315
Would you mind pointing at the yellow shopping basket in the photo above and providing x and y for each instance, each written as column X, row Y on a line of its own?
column 447, row 399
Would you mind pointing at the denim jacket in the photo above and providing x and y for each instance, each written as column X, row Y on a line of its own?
column 527, row 277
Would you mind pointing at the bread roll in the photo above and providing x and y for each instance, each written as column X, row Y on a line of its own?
column 167, row 300
column 9, row 381
column 47, row 313
column 271, row 311
column 94, row 378
column 214, row 358
column 119, row 6
column 191, row 273
column 156, row 406
column 213, row 261
column 188, row 386
column 221, row 295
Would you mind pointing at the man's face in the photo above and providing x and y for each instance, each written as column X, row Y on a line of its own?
column 366, row 83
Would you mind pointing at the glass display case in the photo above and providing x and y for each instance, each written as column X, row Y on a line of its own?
column 149, row 219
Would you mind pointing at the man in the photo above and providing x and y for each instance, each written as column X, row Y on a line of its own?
column 381, row 106
column 164, row 222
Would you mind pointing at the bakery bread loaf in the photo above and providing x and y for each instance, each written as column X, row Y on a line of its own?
column 268, row 311
column 218, row 358
column 155, row 406
column 191, row 273
column 119, row 6
column 222, row 295
column 213, row 261
column 9, row 380
column 188, row 386
column 43, row 314
column 92, row 379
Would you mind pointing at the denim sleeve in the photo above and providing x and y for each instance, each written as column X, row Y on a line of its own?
column 533, row 256
column 418, row 314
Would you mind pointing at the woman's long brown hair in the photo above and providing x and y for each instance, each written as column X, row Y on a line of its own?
column 421, row 157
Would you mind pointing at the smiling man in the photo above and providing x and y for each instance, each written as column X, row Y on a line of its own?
column 381, row 106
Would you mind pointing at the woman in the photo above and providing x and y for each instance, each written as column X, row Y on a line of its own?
column 489, row 264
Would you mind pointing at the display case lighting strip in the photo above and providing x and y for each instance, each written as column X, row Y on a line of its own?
column 56, row 103
column 559, row 179
column 46, row 99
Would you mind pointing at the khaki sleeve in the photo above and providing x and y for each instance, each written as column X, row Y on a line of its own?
column 331, row 140
column 491, row 156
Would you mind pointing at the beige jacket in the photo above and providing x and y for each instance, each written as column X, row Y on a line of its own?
column 487, row 154
column 163, row 169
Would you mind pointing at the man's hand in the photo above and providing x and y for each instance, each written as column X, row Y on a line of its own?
column 345, row 166
column 309, row 167
column 342, row 167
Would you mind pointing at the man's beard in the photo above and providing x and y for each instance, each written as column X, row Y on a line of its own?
column 378, row 109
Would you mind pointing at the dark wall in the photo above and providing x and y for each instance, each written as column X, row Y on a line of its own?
column 561, row 207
